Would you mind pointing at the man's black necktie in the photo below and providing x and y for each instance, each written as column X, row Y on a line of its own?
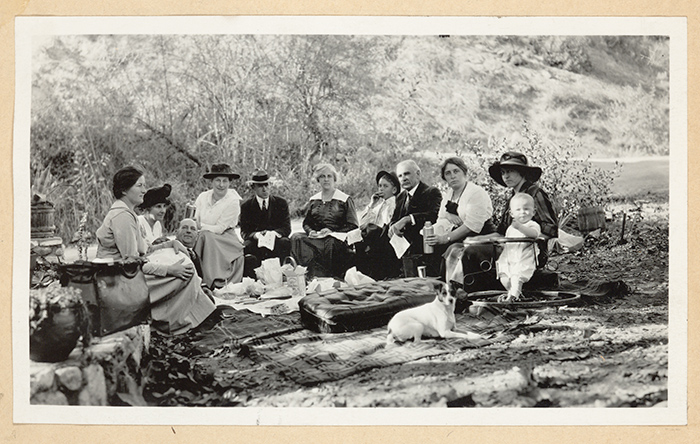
column 405, row 203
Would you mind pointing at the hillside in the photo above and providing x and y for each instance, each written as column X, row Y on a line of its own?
column 173, row 105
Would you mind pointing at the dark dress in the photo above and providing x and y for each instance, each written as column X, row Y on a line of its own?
column 328, row 256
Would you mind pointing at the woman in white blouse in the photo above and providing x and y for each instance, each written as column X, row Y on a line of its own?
column 155, row 203
column 219, row 247
column 466, row 210
column 382, row 203
column 371, row 253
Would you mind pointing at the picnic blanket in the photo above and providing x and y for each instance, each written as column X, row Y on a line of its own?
column 282, row 344
column 306, row 357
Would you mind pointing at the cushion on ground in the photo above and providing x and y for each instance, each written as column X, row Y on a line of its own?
column 365, row 306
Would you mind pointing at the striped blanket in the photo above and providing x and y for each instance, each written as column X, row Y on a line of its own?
column 306, row 357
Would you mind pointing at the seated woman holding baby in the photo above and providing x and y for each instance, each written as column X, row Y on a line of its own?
column 528, row 217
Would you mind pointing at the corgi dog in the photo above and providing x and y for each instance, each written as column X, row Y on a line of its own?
column 435, row 319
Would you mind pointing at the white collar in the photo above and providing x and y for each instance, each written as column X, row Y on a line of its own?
column 260, row 201
column 412, row 191
column 337, row 195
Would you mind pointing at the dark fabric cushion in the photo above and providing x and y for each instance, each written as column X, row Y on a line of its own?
column 364, row 307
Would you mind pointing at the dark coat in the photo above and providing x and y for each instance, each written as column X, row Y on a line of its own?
column 545, row 215
column 253, row 219
column 423, row 206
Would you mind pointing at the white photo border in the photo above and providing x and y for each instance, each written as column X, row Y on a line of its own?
column 675, row 413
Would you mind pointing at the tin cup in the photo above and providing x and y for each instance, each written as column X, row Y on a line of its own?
column 190, row 211
column 422, row 271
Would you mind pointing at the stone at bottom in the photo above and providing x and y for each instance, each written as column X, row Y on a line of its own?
column 70, row 377
column 50, row 398
column 95, row 390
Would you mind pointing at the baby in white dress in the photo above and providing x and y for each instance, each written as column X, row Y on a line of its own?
column 517, row 262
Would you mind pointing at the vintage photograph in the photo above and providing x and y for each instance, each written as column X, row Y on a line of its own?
column 274, row 215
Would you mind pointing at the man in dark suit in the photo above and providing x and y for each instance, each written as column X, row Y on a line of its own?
column 260, row 214
column 415, row 205
column 187, row 234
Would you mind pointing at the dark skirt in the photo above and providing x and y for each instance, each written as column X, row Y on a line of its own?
column 375, row 257
column 327, row 257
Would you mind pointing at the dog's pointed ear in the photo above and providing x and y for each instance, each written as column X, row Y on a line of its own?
column 443, row 292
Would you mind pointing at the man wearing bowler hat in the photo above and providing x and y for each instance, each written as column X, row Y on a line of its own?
column 261, row 214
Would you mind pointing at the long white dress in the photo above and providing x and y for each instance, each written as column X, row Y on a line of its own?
column 518, row 259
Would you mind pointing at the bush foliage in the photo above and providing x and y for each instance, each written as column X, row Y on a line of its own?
column 173, row 105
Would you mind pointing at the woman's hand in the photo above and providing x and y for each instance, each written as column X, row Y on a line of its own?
column 440, row 239
column 181, row 270
column 177, row 246
column 324, row 231
column 454, row 219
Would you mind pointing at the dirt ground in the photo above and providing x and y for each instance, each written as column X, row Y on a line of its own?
column 612, row 354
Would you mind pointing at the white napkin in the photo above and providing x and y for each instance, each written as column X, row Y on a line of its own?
column 340, row 236
column 267, row 240
column 354, row 236
column 400, row 245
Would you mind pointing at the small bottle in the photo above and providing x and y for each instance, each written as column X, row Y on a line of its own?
column 427, row 231
column 190, row 211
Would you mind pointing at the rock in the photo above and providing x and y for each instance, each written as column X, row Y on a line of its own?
column 49, row 398
column 41, row 377
column 70, row 377
column 95, row 390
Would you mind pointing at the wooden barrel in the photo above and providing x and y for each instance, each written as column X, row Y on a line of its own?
column 42, row 220
column 590, row 218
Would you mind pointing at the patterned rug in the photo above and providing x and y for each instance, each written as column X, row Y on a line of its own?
column 309, row 358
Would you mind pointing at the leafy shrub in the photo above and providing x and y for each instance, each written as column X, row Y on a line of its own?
column 571, row 182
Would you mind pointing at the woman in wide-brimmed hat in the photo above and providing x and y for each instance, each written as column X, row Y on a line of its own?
column 512, row 170
column 176, row 300
column 155, row 203
column 218, row 245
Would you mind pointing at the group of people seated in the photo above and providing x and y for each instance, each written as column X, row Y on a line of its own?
column 386, row 241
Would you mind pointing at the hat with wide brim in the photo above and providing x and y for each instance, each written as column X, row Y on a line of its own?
column 260, row 177
column 391, row 177
column 155, row 196
column 221, row 170
column 516, row 161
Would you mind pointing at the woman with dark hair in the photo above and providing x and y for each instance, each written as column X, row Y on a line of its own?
column 371, row 253
column 218, row 246
column 465, row 211
column 513, row 171
column 330, row 215
column 177, row 300
column 466, row 208
column 155, row 203
column 382, row 203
